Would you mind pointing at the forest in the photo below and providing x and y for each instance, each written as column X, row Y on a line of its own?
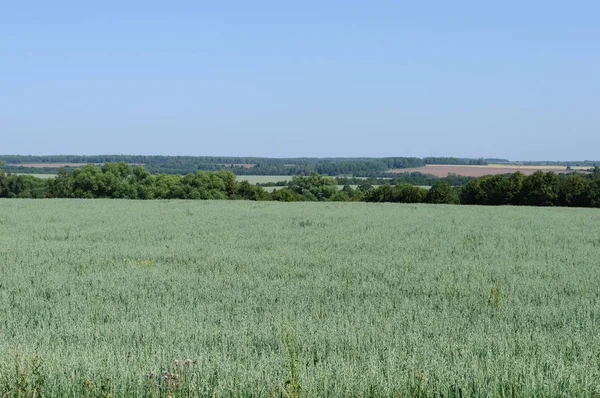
column 121, row 180
column 238, row 165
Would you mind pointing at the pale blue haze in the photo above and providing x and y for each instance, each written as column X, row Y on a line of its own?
column 512, row 79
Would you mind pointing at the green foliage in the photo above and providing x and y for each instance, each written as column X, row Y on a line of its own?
column 380, row 300
column 442, row 193
column 286, row 195
column 292, row 386
column 245, row 190
column 121, row 181
column 22, row 186
column 314, row 186
column 538, row 189
column 401, row 193
column 494, row 190
column 238, row 165
column 413, row 178
column 456, row 161
column 175, row 380
column 25, row 380
column 495, row 298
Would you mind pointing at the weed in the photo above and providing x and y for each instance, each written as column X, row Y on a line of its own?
column 291, row 387
column 173, row 381
column 494, row 299
column 27, row 380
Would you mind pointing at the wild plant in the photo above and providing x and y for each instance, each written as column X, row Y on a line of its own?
column 26, row 380
column 172, row 381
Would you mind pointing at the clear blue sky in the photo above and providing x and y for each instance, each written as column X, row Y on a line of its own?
column 511, row 79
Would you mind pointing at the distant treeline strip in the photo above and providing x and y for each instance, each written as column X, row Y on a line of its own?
column 120, row 180
column 414, row 178
column 373, row 167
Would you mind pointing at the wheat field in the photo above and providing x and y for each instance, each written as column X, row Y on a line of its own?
column 101, row 297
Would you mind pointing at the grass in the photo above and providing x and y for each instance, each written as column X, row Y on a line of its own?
column 314, row 299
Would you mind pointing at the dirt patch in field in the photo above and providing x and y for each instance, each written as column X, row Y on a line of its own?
column 477, row 171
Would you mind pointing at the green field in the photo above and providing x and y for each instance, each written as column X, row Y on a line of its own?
column 263, row 179
column 37, row 175
column 345, row 299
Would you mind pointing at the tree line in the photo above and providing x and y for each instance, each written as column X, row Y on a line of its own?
column 237, row 165
column 516, row 189
column 413, row 178
column 121, row 180
column 456, row 161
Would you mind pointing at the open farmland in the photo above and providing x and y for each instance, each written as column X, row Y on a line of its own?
column 263, row 179
column 333, row 299
column 443, row 170
column 45, row 176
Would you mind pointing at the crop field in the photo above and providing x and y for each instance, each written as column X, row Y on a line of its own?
column 442, row 170
column 267, row 299
column 263, row 179
column 37, row 175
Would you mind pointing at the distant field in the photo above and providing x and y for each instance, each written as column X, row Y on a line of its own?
column 37, row 175
column 364, row 178
column 273, row 188
column 263, row 179
column 353, row 299
column 441, row 170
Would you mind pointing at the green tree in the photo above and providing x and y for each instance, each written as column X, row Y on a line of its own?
column 61, row 186
column 340, row 196
column 364, row 187
column 245, row 190
column 540, row 189
column 118, row 169
column 442, row 193
column 286, row 195
column 314, row 187
column 574, row 191
column 514, row 188
column 473, row 193
column 406, row 193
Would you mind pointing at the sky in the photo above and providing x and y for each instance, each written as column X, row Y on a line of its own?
column 513, row 79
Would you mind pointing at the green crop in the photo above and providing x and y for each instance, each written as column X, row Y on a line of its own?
column 102, row 297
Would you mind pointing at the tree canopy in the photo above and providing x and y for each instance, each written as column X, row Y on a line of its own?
column 123, row 181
